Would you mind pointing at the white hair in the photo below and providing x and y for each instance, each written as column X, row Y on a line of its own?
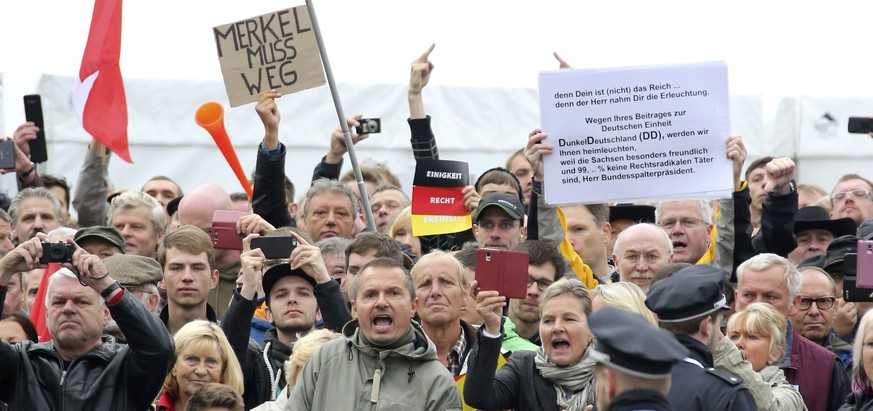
column 64, row 272
column 765, row 261
column 703, row 207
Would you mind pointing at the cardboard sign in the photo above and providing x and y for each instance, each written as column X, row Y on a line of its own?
column 438, row 199
column 274, row 51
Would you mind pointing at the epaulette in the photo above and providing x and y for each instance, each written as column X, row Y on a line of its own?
column 724, row 375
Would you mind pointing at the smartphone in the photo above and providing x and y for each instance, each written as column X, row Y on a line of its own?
column 7, row 154
column 369, row 126
column 33, row 112
column 276, row 247
column 861, row 125
column 851, row 291
column 503, row 271
column 864, row 266
column 224, row 235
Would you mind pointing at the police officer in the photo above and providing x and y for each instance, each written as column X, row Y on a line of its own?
column 690, row 304
column 634, row 360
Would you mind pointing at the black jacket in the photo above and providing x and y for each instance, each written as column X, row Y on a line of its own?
column 110, row 377
column 517, row 385
column 268, row 191
column 701, row 387
column 857, row 401
column 257, row 373
column 640, row 400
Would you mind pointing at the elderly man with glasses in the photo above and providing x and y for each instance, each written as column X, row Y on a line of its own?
column 813, row 315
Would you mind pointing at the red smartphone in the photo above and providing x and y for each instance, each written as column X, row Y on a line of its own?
column 224, row 235
column 864, row 271
column 504, row 271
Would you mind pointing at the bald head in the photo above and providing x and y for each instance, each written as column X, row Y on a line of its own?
column 640, row 251
column 198, row 206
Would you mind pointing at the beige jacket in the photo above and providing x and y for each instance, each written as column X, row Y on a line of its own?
column 771, row 390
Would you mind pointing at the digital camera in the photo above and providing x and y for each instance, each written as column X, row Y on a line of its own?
column 57, row 253
column 369, row 126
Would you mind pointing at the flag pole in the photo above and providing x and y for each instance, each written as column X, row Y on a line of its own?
column 347, row 135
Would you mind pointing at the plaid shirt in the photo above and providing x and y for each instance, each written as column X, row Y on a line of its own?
column 456, row 356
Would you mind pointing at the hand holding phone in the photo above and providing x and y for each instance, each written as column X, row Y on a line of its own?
column 224, row 234
column 33, row 113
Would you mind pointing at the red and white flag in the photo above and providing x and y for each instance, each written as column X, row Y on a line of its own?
column 38, row 310
column 99, row 95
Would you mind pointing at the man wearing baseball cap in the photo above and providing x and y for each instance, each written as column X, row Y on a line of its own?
column 691, row 305
column 100, row 240
column 634, row 360
column 499, row 221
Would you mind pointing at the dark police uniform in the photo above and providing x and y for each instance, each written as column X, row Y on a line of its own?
column 629, row 344
column 691, row 294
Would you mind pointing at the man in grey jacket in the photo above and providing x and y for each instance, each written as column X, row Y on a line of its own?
column 385, row 361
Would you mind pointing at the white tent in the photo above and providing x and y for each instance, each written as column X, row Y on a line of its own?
column 482, row 95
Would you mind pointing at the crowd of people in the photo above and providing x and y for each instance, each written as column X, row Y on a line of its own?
column 735, row 304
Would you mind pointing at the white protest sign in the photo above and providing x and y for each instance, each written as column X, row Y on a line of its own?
column 636, row 133
column 277, row 50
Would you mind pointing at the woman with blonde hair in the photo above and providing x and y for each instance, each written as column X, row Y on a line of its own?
column 401, row 231
column 559, row 376
column 624, row 296
column 203, row 355
column 303, row 349
column 758, row 333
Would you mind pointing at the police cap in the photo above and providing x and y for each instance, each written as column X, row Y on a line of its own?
column 629, row 343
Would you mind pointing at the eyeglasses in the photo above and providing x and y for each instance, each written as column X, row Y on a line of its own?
column 503, row 225
column 685, row 222
column 541, row 284
column 854, row 193
column 823, row 303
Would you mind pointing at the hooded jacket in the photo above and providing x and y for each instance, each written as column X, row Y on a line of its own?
column 351, row 374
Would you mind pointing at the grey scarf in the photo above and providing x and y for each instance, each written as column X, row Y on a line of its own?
column 578, row 378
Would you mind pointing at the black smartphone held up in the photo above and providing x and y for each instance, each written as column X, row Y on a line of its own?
column 276, row 247
column 33, row 113
column 369, row 126
column 7, row 155
column 850, row 290
column 861, row 125
column 503, row 271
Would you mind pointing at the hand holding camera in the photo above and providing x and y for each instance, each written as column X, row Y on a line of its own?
column 338, row 141
column 308, row 258
column 26, row 256
column 369, row 126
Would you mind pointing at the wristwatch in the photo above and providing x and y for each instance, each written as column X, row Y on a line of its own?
column 28, row 172
column 109, row 290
